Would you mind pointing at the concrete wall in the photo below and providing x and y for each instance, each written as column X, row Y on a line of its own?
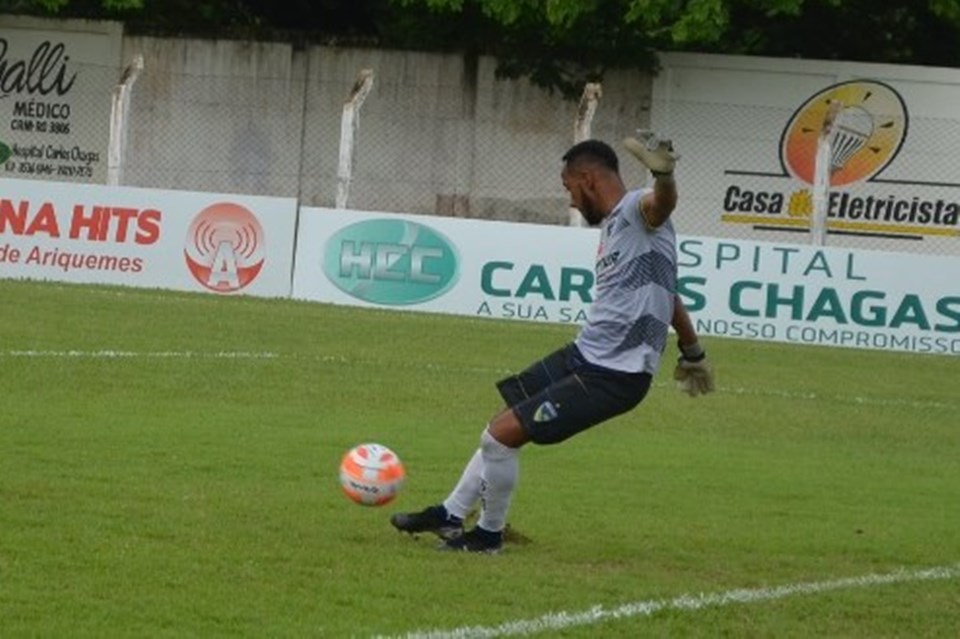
column 216, row 116
column 436, row 135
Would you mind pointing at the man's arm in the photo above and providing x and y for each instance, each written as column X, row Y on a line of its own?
column 658, row 156
column 693, row 372
column 656, row 206
column 683, row 325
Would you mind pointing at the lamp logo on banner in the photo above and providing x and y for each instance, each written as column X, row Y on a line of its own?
column 867, row 136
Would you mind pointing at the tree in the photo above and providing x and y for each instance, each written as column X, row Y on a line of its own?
column 560, row 44
column 54, row 7
column 563, row 43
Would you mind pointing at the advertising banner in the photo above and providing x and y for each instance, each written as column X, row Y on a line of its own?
column 492, row 269
column 55, row 84
column 750, row 128
column 146, row 237
column 733, row 288
column 825, row 296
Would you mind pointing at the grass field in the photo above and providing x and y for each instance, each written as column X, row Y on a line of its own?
column 168, row 467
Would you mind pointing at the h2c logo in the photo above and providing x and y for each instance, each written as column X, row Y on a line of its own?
column 391, row 261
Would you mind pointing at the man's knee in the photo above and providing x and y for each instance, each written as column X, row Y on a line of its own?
column 507, row 430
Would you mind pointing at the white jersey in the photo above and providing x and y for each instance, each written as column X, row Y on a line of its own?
column 636, row 277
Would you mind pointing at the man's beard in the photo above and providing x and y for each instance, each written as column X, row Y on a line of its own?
column 591, row 215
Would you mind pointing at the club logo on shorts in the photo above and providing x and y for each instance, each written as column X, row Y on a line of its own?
column 224, row 247
column 546, row 412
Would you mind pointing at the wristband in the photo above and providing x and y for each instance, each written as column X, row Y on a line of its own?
column 692, row 352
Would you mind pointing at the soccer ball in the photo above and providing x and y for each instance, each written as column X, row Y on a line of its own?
column 371, row 474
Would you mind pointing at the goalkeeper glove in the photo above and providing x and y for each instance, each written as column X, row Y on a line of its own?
column 655, row 153
column 693, row 372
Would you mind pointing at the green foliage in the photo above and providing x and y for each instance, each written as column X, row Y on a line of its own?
column 563, row 13
column 122, row 5
column 561, row 44
column 949, row 10
column 32, row 6
column 170, row 489
column 704, row 21
column 564, row 43
column 55, row 7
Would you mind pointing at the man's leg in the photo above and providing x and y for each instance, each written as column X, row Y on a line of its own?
column 446, row 519
column 499, row 445
column 467, row 491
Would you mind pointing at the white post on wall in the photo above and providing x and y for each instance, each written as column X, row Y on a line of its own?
column 348, row 133
column 821, row 176
column 119, row 109
column 581, row 131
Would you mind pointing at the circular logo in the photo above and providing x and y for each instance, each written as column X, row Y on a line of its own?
column 867, row 133
column 391, row 261
column 224, row 247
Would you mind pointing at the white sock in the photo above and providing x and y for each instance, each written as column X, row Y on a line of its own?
column 467, row 491
column 498, row 476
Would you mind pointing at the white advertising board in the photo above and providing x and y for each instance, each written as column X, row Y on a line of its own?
column 825, row 296
column 748, row 130
column 733, row 288
column 447, row 265
column 146, row 237
column 55, row 83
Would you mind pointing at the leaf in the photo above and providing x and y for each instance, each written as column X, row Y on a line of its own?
column 564, row 13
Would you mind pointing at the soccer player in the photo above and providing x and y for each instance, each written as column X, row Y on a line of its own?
column 608, row 368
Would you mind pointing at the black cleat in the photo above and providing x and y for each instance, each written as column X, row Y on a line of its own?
column 434, row 519
column 477, row 540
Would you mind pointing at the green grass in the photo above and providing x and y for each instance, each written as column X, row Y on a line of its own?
column 168, row 491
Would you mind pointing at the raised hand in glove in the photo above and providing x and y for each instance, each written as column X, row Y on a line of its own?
column 693, row 373
column 655, row 153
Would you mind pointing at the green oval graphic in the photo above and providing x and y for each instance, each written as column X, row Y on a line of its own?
column 391, row 261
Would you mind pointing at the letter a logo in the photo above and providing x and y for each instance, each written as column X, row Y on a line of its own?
column 223, row 270
column 224, row 247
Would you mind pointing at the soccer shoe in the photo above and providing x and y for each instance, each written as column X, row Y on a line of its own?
column 434, row 519
column 477, row 540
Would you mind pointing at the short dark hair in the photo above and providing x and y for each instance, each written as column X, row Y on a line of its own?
column 592, row 151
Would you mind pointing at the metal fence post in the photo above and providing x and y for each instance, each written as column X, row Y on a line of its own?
column 823, row 166
column 581, row 131
column 349, row 123
column 119, row 110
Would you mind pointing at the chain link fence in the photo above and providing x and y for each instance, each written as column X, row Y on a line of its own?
column 435, row 136
column 216, row 133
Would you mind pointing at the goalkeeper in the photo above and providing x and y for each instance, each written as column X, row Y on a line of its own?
column 607, row 370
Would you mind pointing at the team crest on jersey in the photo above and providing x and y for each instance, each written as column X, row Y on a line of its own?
column 546, row 411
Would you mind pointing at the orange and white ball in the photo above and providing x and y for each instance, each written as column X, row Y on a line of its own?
column 371, row 474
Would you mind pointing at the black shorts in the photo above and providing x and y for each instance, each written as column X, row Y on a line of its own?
column 563, row 394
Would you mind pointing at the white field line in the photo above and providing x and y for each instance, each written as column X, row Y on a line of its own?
column 112, row 354
column 689, row 602
column 441, row 368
